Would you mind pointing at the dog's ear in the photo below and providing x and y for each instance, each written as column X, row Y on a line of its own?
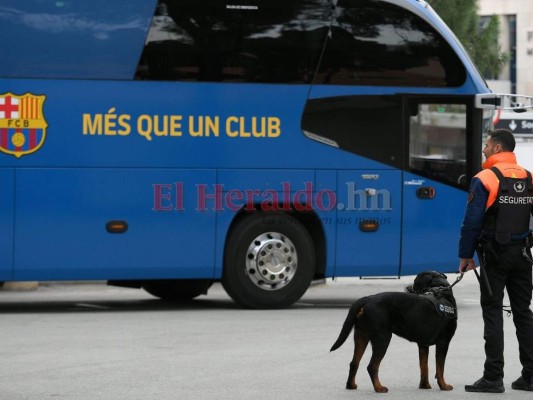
column 422, row 281
column 429, row 279
column 439, row 279
column 441, row 275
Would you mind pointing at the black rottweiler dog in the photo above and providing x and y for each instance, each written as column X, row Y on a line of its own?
column 427, row 315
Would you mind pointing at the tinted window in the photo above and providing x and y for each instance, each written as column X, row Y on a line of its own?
column 275, row 41
column 437, row 142
column 370, row 126
column 97, row 39
column 378, row 43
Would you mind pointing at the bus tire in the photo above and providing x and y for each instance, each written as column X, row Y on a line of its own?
column 176, row 290
column 269, row 261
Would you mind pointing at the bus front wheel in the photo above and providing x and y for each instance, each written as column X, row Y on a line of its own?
column 269, row 261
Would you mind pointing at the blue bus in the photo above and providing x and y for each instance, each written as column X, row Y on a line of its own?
column 170, row 144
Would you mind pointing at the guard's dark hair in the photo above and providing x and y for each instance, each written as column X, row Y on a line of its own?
column 504, row 138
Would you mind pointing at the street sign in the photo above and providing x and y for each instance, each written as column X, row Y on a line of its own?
column 519, row 126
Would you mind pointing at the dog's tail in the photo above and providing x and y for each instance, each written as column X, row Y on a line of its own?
column 349, row 322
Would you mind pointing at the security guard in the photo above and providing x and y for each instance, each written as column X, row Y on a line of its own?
column 497, row 216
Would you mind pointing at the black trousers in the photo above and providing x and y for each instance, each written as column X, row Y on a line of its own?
column 507, row 267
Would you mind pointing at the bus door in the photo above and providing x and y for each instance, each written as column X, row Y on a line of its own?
column 6, row 223
column 367, row 130
column 368, row 222
column 439, row 136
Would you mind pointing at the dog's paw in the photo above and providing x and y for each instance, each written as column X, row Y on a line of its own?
column 381, row 389
column 424, row 385
column 445, row 386
column 351, row 386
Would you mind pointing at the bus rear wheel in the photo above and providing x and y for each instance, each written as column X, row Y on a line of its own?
column 269, row 261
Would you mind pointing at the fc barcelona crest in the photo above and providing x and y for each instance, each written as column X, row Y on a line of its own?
column 22, row 123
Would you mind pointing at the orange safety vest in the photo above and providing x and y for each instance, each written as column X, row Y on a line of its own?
column 510, row 196
column 506, row 163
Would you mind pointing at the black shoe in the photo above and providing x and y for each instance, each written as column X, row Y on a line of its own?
column 523, row 384
column 486, row 386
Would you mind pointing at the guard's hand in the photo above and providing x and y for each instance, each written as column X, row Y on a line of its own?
column 466, row 264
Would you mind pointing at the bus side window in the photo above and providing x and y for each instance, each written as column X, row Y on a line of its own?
column 437, row 143
column 377, row 43
column 275, row 41
column 370, row 126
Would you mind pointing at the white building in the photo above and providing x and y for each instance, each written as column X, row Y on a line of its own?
column 516, row 25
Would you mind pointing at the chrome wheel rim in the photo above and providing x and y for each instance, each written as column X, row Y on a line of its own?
column 271, row 261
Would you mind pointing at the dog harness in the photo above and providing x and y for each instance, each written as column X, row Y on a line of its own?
column 443, row 307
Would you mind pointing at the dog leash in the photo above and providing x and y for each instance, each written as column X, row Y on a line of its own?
column 458, row 279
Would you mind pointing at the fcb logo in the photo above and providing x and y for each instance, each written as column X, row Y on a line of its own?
column 22, row 123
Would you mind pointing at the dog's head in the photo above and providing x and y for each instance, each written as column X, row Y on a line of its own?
column 427, row 280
